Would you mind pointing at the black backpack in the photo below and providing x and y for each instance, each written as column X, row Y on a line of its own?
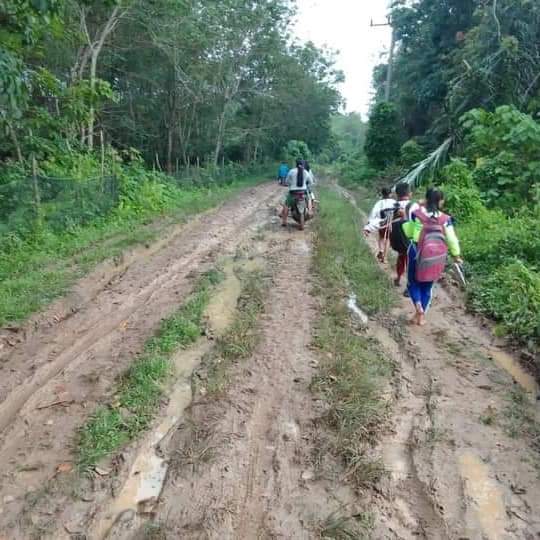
column 398, row 240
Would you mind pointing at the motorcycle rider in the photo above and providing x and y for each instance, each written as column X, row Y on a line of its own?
column 298, row 179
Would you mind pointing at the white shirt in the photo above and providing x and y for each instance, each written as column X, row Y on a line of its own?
column 412, row 209
column 375, row 221
column 292, row 177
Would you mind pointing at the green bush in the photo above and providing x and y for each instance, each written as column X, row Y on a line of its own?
column 502, row 252
column 503, row 149
column 411, row 153
column 355, row 169
column 295, row 150
column 490, row 238
column 511, row 295
column 463, row 198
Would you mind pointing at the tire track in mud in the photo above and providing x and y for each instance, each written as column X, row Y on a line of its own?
column 75, row 362
column 260, row 483
column 451, row 474
column 414, row 511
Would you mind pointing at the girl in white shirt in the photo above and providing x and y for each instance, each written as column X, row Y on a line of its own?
column 380, row 218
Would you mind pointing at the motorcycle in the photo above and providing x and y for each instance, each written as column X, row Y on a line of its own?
column 299, row 208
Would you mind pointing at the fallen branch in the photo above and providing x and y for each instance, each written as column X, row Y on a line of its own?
column 54, row 403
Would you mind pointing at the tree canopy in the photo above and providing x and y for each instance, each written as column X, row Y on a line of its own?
column 455, row 55
column 180, row 81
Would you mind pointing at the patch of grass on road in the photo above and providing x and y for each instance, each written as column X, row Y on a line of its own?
column 342, row 526
column 240, row 340
column 141, row 388
column 199, row 439
column 353, row 372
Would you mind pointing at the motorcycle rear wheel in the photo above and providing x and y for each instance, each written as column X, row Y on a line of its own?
column 301, row 221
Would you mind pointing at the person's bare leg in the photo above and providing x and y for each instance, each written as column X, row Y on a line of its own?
column 380, row 253
column 284, row 215
column 420, row 315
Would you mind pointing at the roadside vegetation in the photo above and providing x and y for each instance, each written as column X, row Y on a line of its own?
column 210, row 381
column 340, row 526
column 42, row 265
column 353, row 372
column 136, row 400
column 473, row 130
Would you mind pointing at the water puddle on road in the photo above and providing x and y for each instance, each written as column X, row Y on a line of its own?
column 518, row 373
column 147, row 475
column 486, row 496
column 355, row 310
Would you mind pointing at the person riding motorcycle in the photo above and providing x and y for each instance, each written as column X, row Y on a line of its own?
column 298, row 179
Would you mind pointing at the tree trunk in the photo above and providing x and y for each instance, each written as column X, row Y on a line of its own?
column 170, row 149
column 96, row 48
column 219, row 138
column 15, row 142
column 92, row 112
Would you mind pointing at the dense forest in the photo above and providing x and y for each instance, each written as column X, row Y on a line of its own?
column 464, row 112
column 178, row 81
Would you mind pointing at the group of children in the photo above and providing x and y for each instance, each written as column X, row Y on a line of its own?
column 421, row 234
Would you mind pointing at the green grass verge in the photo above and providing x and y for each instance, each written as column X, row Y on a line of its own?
column 353, row 371
column 141, row 388
column 351, row 266
column 34, row 274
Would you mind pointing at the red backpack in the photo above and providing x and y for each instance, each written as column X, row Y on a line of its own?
column 432, row 250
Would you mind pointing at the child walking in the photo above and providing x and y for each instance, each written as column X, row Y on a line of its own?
column 432, row 235
column 380, row 219
column 399, row 242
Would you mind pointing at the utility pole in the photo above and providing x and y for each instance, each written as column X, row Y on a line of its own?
column 390, row 71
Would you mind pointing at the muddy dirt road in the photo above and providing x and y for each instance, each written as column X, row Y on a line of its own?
column 62, row 364
column 238, row 463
